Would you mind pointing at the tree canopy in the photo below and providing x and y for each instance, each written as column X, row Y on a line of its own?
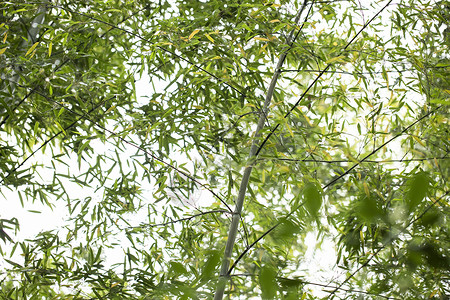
column 197, row 148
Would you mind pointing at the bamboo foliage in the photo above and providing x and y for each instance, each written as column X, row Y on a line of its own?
column 210, row 149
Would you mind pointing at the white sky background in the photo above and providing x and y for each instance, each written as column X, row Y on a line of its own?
column 320, row 264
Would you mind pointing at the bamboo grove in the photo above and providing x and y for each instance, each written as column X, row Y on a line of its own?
column 224, row 149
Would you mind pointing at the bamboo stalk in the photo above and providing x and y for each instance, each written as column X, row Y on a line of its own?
column 232, row 233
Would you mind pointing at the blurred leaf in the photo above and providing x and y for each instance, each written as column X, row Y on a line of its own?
column 313, row 198
column 286, row 231
column 418, row 189
column 212, row 261
column 369, row 208
column 267, row 282
column 177, row 268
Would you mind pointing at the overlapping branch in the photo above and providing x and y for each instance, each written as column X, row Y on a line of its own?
column 388, row 242
column 86, row 116
column 137, row 35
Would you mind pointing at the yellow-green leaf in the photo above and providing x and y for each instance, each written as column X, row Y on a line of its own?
column 2, row 51
column 60, row 127
column 4, row 39
column 110, row 109
column 289, row 129
column 261, row 39
column 32, row 48
column 369, row 208
column 36, row 128
column 284, row 169
column 211, row 263
column 286, row 231
column 385, row 76
column 366, row 189
column 50, row 49
column 418, row 140
column 335, row 59
column 209, row 37
column 193, row 33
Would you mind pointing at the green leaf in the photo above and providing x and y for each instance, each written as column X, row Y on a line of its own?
column 4, row 236
column 12, row 263
column 312, row 197
column 286, row 231
column 418, row 189
column 177, row 268
column 211, row 263
column 432, row 217
column 268, row 283
column 369, row 208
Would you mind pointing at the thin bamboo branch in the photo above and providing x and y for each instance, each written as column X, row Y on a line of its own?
column 349, row 161
column 380, row 147
column 349, row 72
column 303, row 282
column 180, row 220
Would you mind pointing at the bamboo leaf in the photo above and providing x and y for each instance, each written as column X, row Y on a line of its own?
column 418, row 140
column 312, row 198
column 335, row 59
column 261, row 39
column 193, row 33
column 209, row 37
column 418, row 189
column 32, row 48
column 267, row 282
